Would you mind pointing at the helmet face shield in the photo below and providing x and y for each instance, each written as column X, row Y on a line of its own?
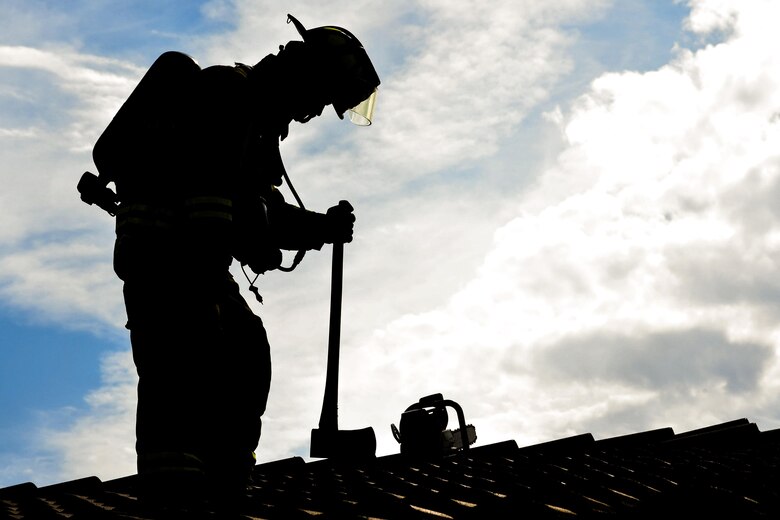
column 363, row 113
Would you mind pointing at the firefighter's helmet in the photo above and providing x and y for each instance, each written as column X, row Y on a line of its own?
column 351, row 79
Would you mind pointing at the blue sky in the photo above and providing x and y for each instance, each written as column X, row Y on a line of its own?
column 565, row 220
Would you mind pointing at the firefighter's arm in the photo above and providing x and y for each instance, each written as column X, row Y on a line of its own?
column 294, row 228
column 253, row 243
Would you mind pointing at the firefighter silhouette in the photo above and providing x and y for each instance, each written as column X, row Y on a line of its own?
column 194, row 155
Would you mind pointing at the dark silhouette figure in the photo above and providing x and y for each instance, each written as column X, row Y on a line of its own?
column 194, row 155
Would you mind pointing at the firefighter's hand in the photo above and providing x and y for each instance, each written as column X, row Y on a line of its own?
column 265, row 259
column 339, row 223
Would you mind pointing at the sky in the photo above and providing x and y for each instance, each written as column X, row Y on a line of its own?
column 566, row 220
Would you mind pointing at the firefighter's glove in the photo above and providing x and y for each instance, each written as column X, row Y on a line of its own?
column 265, row 259
column 339, row 223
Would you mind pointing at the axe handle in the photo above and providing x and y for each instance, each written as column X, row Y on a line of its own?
column 329, row 415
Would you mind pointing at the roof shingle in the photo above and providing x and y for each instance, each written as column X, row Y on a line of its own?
column 730, row 469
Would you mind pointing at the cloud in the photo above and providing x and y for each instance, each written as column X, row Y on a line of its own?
column 653, row 231
column 676, row 361
column 459, row 92
column 21, row 23
column 73, row 276
column 86, row 89
column 393, row 252
column 52, row 243
column 656, row 229
column 100, row 442
column 712, row 16
column 24, row 133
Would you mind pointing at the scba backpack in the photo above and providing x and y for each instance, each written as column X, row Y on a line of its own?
column 139, row 148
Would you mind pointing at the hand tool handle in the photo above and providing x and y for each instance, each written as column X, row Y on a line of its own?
column 329, row 415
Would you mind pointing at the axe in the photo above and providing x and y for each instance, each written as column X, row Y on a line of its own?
column 328, row 441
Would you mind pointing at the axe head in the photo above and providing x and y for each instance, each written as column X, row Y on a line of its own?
column 338, row 444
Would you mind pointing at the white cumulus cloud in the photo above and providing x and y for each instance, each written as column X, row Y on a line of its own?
column 629, row 284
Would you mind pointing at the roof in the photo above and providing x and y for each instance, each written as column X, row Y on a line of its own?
column 729, row 470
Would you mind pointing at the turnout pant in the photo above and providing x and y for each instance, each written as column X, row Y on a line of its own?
column 204, row 370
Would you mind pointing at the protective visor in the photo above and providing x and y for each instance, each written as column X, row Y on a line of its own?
column 363, row 113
